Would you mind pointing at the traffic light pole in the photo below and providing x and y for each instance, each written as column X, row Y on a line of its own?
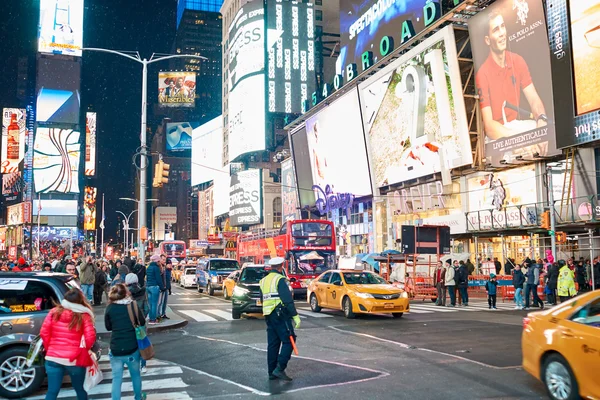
column 552, row 216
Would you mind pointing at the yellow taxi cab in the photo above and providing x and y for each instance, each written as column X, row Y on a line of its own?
column 229, row 284
column 176, row 273
column 561, row 347
column 356, row 292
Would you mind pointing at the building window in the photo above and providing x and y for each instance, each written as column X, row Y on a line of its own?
column 277, row 213
column 318, row 15
column 318, row 2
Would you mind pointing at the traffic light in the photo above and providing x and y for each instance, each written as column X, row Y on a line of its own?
column 545, row 220
column 561, row 237
column 161, row 174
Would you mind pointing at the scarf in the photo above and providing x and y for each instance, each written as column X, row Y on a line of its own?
column 126, row 300
column 76, row 308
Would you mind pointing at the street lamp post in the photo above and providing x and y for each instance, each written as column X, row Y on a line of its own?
column 126, row 227
column 141, row 249
column 143, row 150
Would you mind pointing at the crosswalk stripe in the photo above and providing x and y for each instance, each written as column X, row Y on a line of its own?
column 105, row 363
column 163, row 396
column 313, row 314
column 220, row 313
column 433, row 308
column 150, row 372
column 198, row 316
column 417, row 311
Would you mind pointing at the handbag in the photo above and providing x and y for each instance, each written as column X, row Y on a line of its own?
column 144, row 344
column 36, row 353
column 93, row 374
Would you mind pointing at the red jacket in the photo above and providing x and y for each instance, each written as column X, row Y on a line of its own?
column 62, row 342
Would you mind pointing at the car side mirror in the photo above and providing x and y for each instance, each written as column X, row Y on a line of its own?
column 292, row 280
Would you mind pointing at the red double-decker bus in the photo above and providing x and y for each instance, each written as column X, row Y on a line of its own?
column 308, row 247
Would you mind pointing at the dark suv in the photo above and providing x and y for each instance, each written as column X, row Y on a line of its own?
column 246, row 293
column 25, row 300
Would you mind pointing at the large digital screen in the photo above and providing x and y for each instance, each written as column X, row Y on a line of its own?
column 289, row 195
column 302, row 168
column 246, row 81
column 89, row 208
column 245, row 198
column 60, row 30
column 220, row 191
column 574, row 33
column 176, row 89
column 56, row 155
column 13, row 139
column 414, row 113
column 179, row 136
column 336, row 146
column 58, row 96
column 290, row 55
column 90, row 144
column 512, row 69
column 207, row 151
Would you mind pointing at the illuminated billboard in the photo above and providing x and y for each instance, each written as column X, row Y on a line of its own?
column 207, row 151
column 290, row 55
column 246, row 81
column 302, row 167
column 574, row 32
column 179, row 136
column 245, row 198
column 89, row 208
column 289, row 195
column 58, row 93
column 176, row 89
column 60, row 30
column 339, row 163
column 13, row 139
column 13, row 184
column 56, row 154
column 512, row 69
column 90, row 144
column 414, row 113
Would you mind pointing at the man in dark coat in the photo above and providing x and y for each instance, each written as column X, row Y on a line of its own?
column 99, row 285
column 551, row 282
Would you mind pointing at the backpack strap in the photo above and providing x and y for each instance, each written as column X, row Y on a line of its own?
column 131, row 318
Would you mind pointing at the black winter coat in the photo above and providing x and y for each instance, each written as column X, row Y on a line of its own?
column 552, row 280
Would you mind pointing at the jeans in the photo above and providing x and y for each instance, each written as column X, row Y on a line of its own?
column 117, row 364
column 88, row 291
column 492, row 300
column 153, row 295
column 465, row 295
column 163, row 305
column 452, row 293
column 56, row 373
column 519, row 297
column 441, row 294
column 528, row 291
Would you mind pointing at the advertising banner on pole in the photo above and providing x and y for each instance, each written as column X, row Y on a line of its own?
column 512, row 70
column 574, row 32
column 414, row 113
column 56, row 156
column 179, row 136
column 176, row 89
column 90, row 144
column 245, row 198
column 13, row 139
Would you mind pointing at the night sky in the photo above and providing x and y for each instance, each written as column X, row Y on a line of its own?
column 111, row 85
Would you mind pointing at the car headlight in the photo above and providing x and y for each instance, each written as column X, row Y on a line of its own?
column 404, row 295
column 239, row 292
column 364, row 295
column 214, row 279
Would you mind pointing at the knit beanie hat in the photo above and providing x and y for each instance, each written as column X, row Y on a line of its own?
column 131, row 278
column 155, row 258
column 123, row 270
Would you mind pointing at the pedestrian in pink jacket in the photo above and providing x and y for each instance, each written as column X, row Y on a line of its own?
column 68, row 333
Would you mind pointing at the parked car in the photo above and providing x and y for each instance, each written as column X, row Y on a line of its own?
column 211, row 273
column 561, row 347
column 25, row 300
column 188, row 277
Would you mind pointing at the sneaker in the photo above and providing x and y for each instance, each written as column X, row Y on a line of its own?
column 153, row 322
column 494, row 308
column 165, row 317
column 542, row 306
column 272, row 377
column 144, row 370
column 490, row 307
column 526, row 308
column 517, row 308
column 280, row 374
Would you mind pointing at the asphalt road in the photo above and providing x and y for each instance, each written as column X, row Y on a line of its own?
column 431, row 353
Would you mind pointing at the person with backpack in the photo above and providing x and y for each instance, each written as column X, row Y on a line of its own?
column 462, row 281
column 123, row 341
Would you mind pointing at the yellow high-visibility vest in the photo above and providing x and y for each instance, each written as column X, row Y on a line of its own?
column 270, row 294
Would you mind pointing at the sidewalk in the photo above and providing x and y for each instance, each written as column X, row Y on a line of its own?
column 174, row 322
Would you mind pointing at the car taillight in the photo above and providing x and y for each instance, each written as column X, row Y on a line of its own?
column 526, row 322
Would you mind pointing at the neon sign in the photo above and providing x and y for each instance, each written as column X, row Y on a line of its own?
column 328, row 201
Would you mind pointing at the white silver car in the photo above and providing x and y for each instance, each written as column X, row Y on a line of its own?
column 188, row 277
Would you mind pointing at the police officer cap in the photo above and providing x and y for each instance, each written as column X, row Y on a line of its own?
column 276, row 261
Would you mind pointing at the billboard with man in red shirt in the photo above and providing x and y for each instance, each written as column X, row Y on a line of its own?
column 512, row 73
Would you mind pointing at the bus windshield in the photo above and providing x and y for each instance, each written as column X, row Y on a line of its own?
column 312, row 234
column 311, row 262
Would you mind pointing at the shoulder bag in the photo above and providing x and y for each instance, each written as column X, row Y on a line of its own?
column 144, row 345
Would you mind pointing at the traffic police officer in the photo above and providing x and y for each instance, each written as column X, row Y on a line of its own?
column 279, row 311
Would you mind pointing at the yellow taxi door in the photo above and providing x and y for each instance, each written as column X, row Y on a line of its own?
column 321, row 288
column 335, row 291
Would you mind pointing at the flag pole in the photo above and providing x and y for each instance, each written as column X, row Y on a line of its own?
column 102, row 227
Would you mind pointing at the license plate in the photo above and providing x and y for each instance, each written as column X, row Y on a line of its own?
column 388, row 305
column 258, row 303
